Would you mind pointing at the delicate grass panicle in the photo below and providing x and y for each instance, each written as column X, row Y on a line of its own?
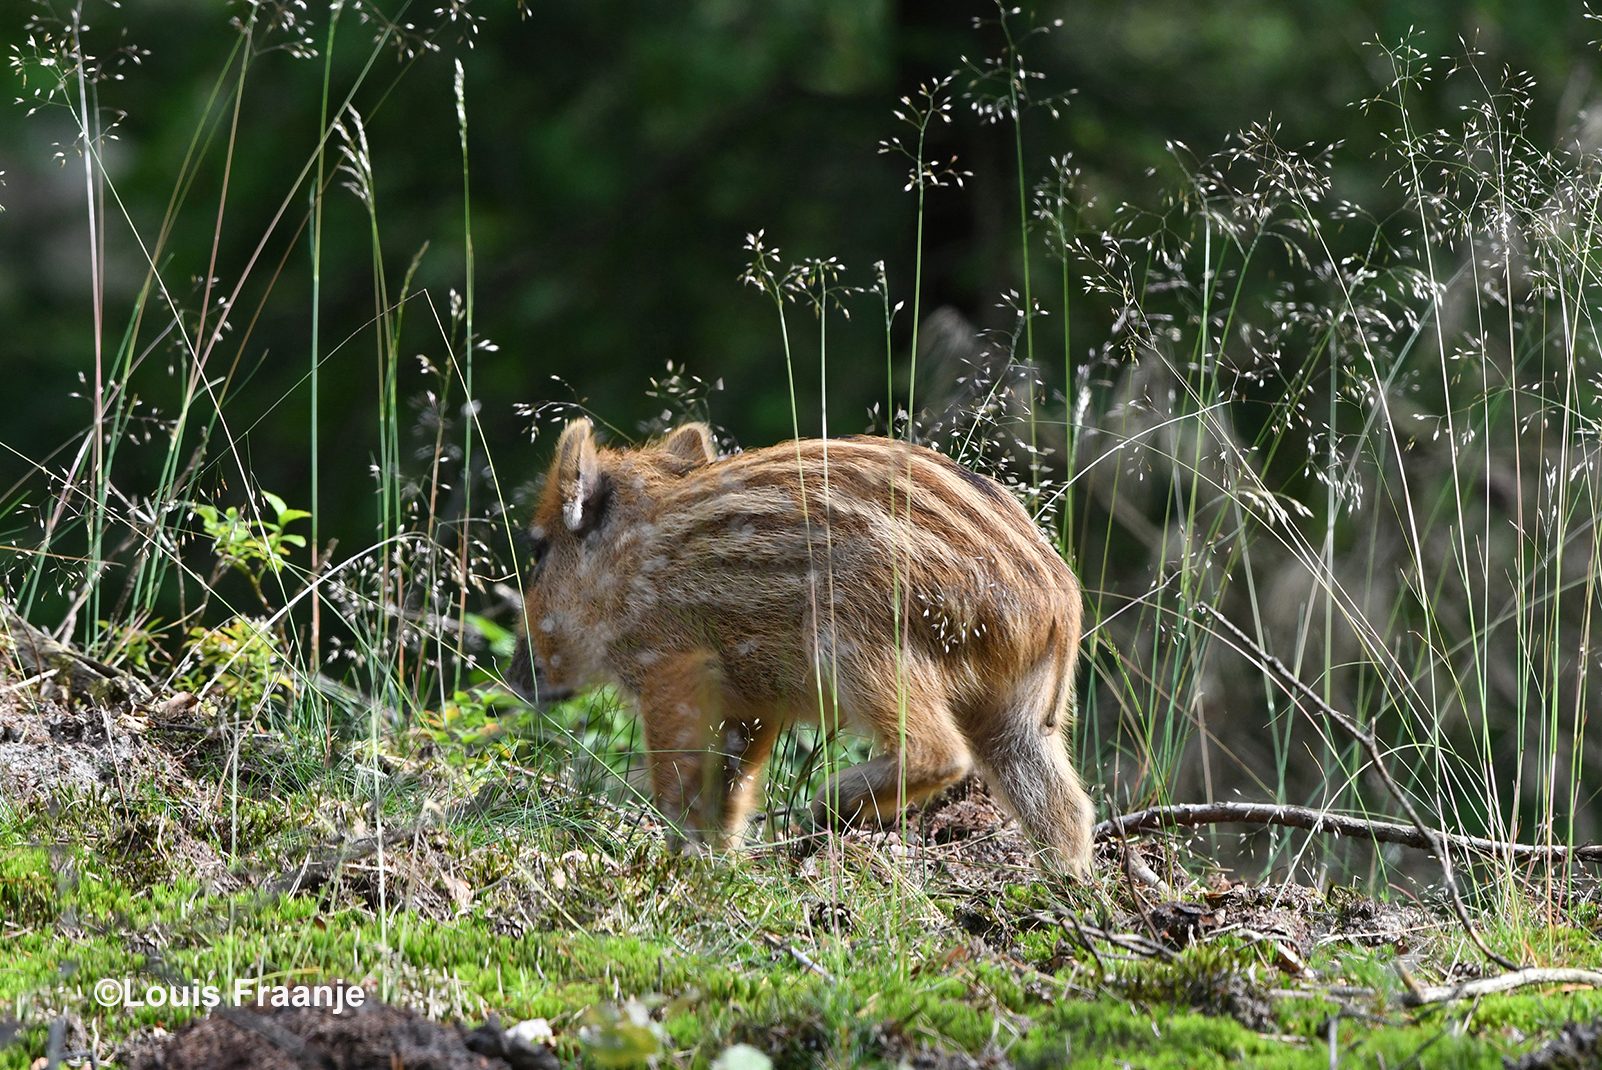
column 1369, row 442
column 1438, row 388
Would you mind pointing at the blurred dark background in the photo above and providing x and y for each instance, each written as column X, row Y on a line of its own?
column 620, row 153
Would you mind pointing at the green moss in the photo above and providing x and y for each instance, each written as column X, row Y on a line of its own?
column 1096, row 1033
column 729, row 985
column 720, row 949
column 27, row 886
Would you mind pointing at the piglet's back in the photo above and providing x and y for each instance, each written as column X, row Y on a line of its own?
column 820, row 536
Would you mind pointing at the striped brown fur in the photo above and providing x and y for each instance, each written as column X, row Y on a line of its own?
column 730, row 597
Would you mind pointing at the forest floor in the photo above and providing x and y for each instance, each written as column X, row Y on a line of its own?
column 142, row 845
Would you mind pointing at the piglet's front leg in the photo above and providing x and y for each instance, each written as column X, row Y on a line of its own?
column 707, row 750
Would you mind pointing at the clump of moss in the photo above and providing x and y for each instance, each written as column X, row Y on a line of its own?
column 27, row 886
column 1212, row 979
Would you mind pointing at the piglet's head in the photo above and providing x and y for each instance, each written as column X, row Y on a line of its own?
column 574, row 574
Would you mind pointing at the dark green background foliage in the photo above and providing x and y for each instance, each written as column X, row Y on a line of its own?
column 620, row 153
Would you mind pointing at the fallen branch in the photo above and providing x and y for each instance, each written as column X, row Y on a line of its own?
column 1506, row 982
column 1303, row 817
column 36, row 678
column 74, row 673
column 40, row 654
column 1437, row 840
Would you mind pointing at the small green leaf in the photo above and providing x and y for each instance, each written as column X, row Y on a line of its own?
column 284, row 512
column 488, row 628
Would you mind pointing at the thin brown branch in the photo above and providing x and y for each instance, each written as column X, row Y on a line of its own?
column 1506, row 982
column 1304, row 817
column 1438, row 841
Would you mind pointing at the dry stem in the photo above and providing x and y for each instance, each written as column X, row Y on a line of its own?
column 1304, row 817
column 1437, row 840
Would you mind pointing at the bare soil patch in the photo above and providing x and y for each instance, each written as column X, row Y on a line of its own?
column 57, row 750
column 375, row 1036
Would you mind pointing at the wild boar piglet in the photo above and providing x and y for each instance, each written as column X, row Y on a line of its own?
column 859, row 580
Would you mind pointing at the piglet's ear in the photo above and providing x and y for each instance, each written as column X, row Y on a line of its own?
column 691, row 444
column 579, row 476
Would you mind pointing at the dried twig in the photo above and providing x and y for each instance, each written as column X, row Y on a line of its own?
column 1437, row 840
column 1304, row 817
column 1134, row 893
column 1082, row 930
column 1067, row 918
column 1506, row 982
column 36, row 678
column 805, row 961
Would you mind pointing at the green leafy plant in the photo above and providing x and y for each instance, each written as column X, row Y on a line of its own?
column 502, row 641
column 240, row 659
column 251, row 547
column 243, row 658
column 471, row 729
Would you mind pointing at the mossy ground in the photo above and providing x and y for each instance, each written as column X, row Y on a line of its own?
column 532, row 898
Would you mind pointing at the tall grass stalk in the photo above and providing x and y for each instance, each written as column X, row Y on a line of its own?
column 932, row 102
column 469, row 344
column 319, row 188
column 899, row 567
column 760, row 272
column 94, row 198
column 1016, row 94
